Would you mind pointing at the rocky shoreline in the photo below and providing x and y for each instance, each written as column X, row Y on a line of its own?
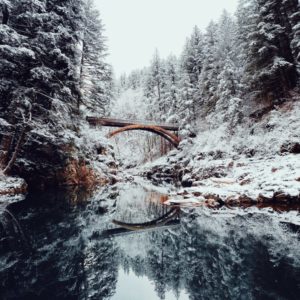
column 219, row 179
column 12, row 186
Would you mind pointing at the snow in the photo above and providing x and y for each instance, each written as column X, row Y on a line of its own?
column 8, row 184
column 245, row 161
column 251, row 177
column 4, row 123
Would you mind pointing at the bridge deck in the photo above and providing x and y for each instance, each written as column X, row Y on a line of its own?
column 122, row 123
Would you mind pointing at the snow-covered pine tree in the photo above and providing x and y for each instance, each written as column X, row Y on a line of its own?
column 39, row 79
column 226, row 38
column 50, row 31
column 171, row 89
column 191, row 64
column 154, row 85
column 270, row 64
column 16, row 57
column 208, row 82
column 291, row 12
column 95, row 74
column 228, row 78
column 246, row 19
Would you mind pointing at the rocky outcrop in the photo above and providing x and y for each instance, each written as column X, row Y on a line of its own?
column 47, row 161
column 12, row 186
column 291, row 147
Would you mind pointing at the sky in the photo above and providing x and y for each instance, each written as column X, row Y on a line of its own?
column 135, row 28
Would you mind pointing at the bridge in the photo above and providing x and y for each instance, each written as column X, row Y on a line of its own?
column 168, row 220
column 167, row 131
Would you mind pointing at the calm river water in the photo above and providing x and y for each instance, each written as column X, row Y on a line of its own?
column 64, row 245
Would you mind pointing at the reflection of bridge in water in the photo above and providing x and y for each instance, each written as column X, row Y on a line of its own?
column 169, row 219
column 162, row 129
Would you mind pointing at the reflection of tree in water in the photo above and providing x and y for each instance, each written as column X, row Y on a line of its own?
column 63, row 263
column 101, row 270
column 210, row 257
column 216, row 258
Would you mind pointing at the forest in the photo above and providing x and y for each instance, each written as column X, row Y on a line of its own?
column 234, row 94
column 229, row 78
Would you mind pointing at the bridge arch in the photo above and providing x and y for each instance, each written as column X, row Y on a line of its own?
column 171, row 137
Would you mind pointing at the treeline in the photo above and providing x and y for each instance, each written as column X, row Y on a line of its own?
column 252, row 57
column 52, row 70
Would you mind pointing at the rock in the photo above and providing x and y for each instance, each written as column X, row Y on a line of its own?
column 12, row 186
column 245, row 182
column 249, row 153
column 187, row 183
column 290, row 147
column 183, row 193
column 230, row 165
column 211, row 203
column 240, row 165
column 223, row 180
column 263, row 199
column 197, row 194
column 280, row 197
column 245, row 200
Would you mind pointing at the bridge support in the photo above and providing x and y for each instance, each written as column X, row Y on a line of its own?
column 172, row 138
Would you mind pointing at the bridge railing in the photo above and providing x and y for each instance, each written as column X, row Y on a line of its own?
column 122, row 123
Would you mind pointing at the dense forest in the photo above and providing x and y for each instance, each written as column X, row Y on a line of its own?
column 236, row 71
column 240, row 61
column 54, row 73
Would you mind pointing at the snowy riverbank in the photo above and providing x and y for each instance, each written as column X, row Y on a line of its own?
column 259, row 162
column 11, row 189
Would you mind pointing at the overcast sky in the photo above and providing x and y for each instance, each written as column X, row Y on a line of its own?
column 135, row 28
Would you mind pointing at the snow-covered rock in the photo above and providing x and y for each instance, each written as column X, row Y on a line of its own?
column 258, row 160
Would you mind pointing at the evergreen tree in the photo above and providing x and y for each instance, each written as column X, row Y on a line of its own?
column 291, row 11
column 171, row 91
column 270, row 67
column 208, row 78
column 95, row 74
column 191, row 67
column 246, row 16
column 154, row 88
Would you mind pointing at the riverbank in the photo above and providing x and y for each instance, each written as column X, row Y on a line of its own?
column 258, row 162
column 11, row 190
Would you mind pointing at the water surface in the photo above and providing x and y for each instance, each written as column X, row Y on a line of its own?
column 63, row 245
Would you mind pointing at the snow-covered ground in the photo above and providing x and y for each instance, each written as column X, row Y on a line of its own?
column 11, row 190
column 258, row 159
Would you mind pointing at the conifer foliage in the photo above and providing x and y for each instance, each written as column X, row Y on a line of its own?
column 253, row 55
column 49, row 51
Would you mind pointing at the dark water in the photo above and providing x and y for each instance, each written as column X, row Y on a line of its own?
column 63, row 245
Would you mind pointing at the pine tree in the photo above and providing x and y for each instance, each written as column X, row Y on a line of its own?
column 208, row 78
column 246, row 16
column 291, row 12
column 154, row 85
column 226, row 37
column 95, row 74
column 192, row 60
column 270, row 65
column 171, row 91
column 39, row 54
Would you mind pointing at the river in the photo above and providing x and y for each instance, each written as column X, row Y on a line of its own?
column 65, row 245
